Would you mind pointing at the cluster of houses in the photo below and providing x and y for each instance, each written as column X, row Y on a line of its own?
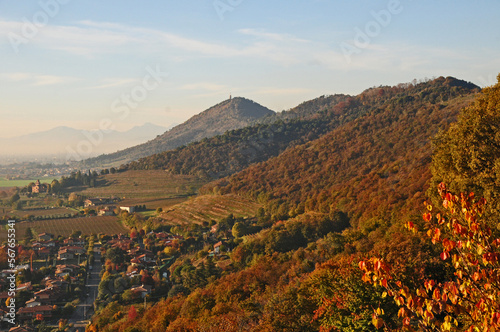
column 140, row 258
column 106, row 206
column 55, row 286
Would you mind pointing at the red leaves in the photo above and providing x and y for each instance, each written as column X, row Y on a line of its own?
column 444, row 255
column 473, row 294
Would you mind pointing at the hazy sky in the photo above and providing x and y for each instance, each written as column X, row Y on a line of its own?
column 75, row 63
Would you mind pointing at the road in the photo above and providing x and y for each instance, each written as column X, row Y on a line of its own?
column 85, row 309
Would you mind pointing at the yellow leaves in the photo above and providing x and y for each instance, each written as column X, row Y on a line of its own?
column 448, row 323
column 377, row 322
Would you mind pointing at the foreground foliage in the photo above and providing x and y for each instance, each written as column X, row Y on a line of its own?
column 470, row 300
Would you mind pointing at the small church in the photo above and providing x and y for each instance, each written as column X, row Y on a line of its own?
column 39, row 187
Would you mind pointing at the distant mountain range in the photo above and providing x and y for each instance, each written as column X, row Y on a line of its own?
column 58, row 141
column 230, row 114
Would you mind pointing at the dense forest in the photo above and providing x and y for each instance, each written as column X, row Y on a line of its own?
column 235, row 150
column 341, row 244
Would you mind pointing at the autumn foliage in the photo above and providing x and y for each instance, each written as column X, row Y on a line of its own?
column 470, row 300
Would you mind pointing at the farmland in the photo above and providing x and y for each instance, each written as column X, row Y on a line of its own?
column 144, row 185
column 209, row 207
column 64, row 227
column 4, row 183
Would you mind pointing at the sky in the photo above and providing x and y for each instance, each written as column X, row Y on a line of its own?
column 94, row 64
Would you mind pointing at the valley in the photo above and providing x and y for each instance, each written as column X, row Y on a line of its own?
column 270, row 218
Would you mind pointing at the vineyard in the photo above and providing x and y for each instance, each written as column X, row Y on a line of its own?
column 209, row 207
column 64, row 227
column 144, row 185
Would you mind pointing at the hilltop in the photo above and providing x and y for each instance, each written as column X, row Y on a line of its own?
column 230, row 114
column 235, row 150
column 333, row 185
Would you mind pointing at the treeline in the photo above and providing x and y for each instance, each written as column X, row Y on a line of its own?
column 303, row 273
column 368, row 167
column 235, row 150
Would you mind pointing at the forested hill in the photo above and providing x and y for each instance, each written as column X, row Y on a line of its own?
column 377, row 163
column 235, row 150
column 230, row 114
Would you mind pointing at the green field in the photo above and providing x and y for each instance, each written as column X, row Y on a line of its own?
column 87, row 225
column 4, row 183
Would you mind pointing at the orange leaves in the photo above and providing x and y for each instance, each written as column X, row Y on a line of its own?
column 473, row 293
column 411, row 227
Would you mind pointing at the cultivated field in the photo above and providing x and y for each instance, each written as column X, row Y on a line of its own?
column 209, row 207
column 142, row 186
column 49, row 212
column 15, row 183
column 64, row 227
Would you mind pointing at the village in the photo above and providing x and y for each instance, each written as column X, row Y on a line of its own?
column 53, row 278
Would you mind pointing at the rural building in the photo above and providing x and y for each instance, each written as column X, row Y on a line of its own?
column 90, row 202
column 142, row 290
column 45, row 236
column 129, row 209
column 107, row 211
column 39, row 187
column 217, row 247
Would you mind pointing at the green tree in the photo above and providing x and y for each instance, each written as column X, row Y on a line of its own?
column 467, row 156
column 239, row 229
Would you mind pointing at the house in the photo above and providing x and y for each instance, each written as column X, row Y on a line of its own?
column 63, row 270
column 94, row 202
column 26, row 286
column 29, row 313
column 142, row 290
column 146, row 258
column 74, row 242
column 39, row 188
column 33, row 303
column 57, row 283
column 217, row 247
column 64, row 254
column 106, row 211
column 43, row 252
column 77, row 250
column 45, row 236
column 129, row 209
